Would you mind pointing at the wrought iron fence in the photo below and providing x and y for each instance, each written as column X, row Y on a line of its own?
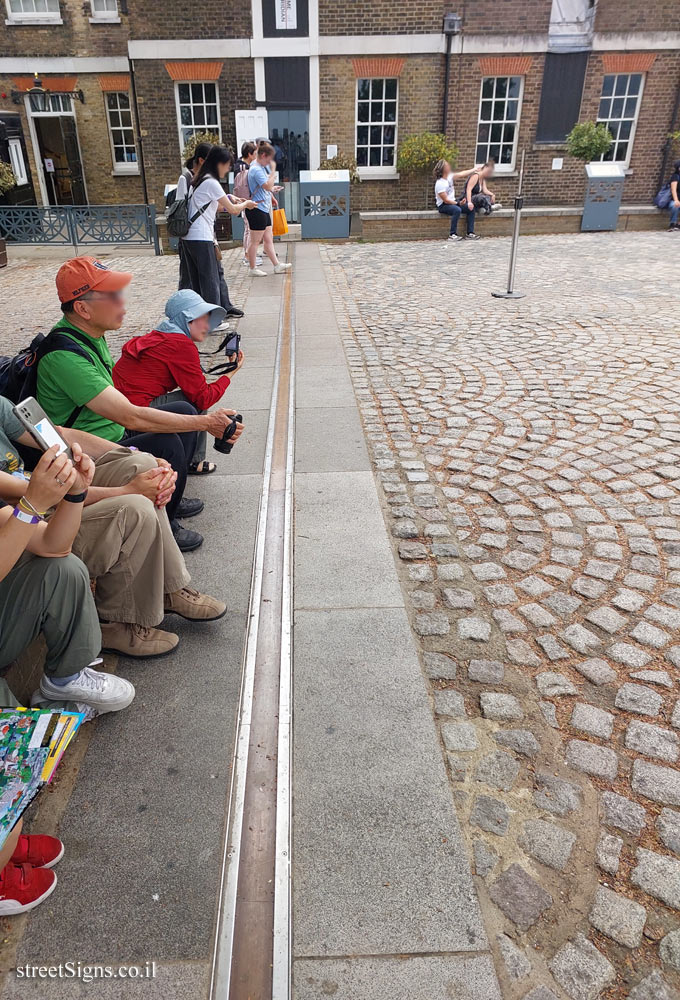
column 80, row 225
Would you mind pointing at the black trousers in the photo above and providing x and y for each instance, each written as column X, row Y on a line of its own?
column 200, row 270
column 177, row 449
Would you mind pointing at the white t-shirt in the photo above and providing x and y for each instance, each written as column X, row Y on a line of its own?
column 443, row 185
column 207, row 193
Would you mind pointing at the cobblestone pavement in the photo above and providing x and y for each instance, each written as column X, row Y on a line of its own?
column 529, row 456
column 30, row 304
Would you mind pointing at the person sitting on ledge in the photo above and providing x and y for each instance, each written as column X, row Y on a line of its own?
column 164, row 366
column 76, row 389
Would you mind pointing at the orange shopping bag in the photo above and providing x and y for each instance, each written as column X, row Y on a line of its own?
column 279, row 222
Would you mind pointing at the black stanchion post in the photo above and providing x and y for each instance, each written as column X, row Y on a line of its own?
column 519, row 201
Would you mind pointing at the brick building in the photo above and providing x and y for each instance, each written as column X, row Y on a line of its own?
column 129, row 81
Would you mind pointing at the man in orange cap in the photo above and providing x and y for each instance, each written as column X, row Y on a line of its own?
column 75, row 387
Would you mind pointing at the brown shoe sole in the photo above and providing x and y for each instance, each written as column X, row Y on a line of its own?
column 139, row 656
column 171, row 611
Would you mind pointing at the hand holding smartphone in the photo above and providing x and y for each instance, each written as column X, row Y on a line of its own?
column 31, row 415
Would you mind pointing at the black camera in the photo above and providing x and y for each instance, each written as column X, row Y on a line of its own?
column 223, row 444
column 231, row 345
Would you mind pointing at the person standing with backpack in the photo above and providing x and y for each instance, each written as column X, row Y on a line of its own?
column 242, row 190
column 189, row 170
column 206, row 195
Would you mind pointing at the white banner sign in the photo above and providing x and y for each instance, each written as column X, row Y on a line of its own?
column 286, row 15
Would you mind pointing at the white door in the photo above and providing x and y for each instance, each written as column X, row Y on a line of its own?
column 250, row 125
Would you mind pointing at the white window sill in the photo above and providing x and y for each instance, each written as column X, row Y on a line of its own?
column 33, row 20
column 125, row 173
column 105, row 20
column 377, row 174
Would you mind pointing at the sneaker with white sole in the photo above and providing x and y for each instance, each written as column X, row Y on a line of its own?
column 222, row 328
column 455, row 238
column 280, row 268
column 105, row 692
column 22, row 887
column 473, row 236
column 257, row 272
column 246, row 262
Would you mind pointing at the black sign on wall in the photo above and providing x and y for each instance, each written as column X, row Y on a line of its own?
column 270, row 20
column 563, row 76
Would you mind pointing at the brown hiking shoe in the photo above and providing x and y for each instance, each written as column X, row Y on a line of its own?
column 194, row 606
column 136, row 640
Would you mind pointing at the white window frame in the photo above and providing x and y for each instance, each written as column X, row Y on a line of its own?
column 17, row 161
column 633, row 121
column 104, row 17
column 63, row 102
column 125, row 167
column 376, row 173
column 33, row 17
column 502, row 168
column 197, row 128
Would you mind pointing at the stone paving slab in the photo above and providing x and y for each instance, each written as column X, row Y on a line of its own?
column 528, row 454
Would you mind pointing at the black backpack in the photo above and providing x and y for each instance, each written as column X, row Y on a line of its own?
column 177, row 216
column 19, row 374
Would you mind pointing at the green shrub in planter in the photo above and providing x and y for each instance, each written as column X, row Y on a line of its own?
column 418, row 154
column 589, row 141
column 7, row 178
column 341, row 162
column 197, row 138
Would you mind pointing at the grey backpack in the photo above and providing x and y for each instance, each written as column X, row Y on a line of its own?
column 177, row 215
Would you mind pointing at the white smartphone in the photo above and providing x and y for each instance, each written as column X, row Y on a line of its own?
column 32, row 416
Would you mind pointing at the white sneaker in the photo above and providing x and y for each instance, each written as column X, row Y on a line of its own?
column 222, row 328
column 245, row 262
column 455, row 238
column 104, row 692
column 280, row 268
column 257, row 272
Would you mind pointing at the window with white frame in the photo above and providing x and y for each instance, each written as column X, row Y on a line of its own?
column 18, row 10
column 104, row 10
column 197, row 109
column 376, row 122
column 499, row 109
column 17, row 162
column 121, row 132
column 59, row 104
column 619, row 107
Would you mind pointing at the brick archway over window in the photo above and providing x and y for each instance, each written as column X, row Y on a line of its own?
column 193, row 71
column 628, row 62
column 367, row 68
column 505, row 65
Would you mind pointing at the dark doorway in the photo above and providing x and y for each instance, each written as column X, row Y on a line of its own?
column 13, row 151
column 60, row 157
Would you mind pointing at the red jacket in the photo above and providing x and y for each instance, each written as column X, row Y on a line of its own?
column 157, row 363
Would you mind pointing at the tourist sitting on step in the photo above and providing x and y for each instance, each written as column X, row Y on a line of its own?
column 123, row 537
column 164, row 366
column 75, row 385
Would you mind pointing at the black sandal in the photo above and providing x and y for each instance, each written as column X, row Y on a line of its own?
column 201, row 468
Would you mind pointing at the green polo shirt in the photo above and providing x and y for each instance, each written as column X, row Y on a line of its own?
column 67, row 380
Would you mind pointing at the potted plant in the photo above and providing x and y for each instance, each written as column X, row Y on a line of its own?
column 7, row 182
column 198, row 137
column 341, row 162
column 418, row 154
column 588, row 142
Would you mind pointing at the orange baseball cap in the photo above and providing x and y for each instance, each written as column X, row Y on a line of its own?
column 82, row 274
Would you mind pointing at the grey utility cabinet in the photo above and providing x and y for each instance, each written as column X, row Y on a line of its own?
column 324, row 204
column 604, row 189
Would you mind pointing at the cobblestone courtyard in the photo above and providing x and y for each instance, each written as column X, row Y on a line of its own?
column 529, row 455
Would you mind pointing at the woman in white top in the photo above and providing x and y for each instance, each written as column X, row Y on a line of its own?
column 206, row 195
column 189, row 171
column 445, row 197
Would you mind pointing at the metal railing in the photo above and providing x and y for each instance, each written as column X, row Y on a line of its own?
column 80, row 225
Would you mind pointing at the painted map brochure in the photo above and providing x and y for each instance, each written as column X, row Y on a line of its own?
column 32, row 742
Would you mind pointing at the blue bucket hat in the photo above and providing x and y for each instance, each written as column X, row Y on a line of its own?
column 186, row 305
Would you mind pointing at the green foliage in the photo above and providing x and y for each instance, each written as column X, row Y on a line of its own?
column 674, row 138
column 588, row 141
column 198, row 137
column 341, row 162
column 7, row 178
column 419, row 153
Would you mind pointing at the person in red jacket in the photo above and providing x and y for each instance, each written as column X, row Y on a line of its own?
column 164, row 366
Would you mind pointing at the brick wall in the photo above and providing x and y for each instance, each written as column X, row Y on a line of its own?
column 399, row 17
column 208, row 19
column 75, row 37
column 158, row 117
column 621, row 16
column 420, row 98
